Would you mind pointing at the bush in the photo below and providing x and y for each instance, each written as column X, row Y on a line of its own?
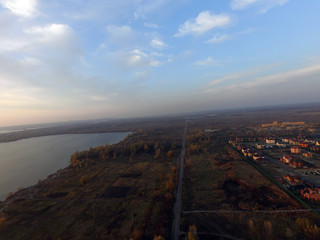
column 83, row 179
column 3, row 223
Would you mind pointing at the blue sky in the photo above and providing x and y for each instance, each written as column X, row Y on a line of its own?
column 85, row 59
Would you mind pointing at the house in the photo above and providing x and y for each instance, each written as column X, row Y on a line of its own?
column 293, row 180
column 296, row 164
column 257, row 156
column 281, row 145
column 270, row 140
column 315, row 148
column 294, row 141
column 259, row 146
column 310, row 141
column 303, row 145
column 250, row 153
column 244, row 151
column 286, row 139
column 233, row 143
column 295, row 150
column 287, row 159
column 240, row 147
column 252, row 139
column 311, row 193
column 307, row 154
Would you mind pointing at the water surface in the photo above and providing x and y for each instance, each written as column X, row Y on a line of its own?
column 24, row 162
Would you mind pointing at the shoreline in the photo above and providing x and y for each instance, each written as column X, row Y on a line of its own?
column 9, row 137
column 59, row 164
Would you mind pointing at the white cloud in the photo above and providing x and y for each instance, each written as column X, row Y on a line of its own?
column 218, row 38
column 121, row 34
column 24, row 8
column 203, row 23
column 56, row 39
column 11, row 45
column 135, row 59
column 142, row 74
column 157, row 43
column 249, row 81
column 148, row 6
column 284, row 76
column 138, row 52
column 187, row 53
column 229, row 78
column 151, row 25
column 154, row 63
column 264, row 5
column 242, row 75
column 241, row 4
column 207, row 62
column 50, row 33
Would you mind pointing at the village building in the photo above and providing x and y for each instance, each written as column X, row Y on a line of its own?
column 296, row 164
column 250, row 152
column 286, row 139
column 286, row 159
column 239, row 139
column 293, row 180
column 294, row 141
column 315, row 148
column 257, row 156
column 303, row 145
column 295, row 150
column 259, row 146
column 310, row 141
column 281, row 145
column 311, row 194
column 307, row 154
column 270, row 140
column 252, row 139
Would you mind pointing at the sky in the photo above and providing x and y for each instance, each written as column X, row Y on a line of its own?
column 86, row 59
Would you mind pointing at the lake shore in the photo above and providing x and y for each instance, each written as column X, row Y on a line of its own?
column 25, row 161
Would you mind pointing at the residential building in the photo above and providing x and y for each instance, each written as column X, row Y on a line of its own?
column 295, row 150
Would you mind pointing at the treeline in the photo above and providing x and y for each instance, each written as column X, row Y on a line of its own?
column 133, row 146
column 198, row 142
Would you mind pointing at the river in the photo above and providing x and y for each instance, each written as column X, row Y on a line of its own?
column 24, row 162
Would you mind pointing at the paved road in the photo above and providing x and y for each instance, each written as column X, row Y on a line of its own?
column 175, row 231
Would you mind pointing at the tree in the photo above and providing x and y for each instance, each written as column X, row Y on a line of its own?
column 192, row 234
column 138, row 234
column 158, row 238
column 3, row 222
column 170, row 153
column 311, row 230
column 157, row 155
column 83, row 179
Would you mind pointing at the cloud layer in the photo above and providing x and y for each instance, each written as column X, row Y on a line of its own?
column 264, row 5
column 204, row 22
